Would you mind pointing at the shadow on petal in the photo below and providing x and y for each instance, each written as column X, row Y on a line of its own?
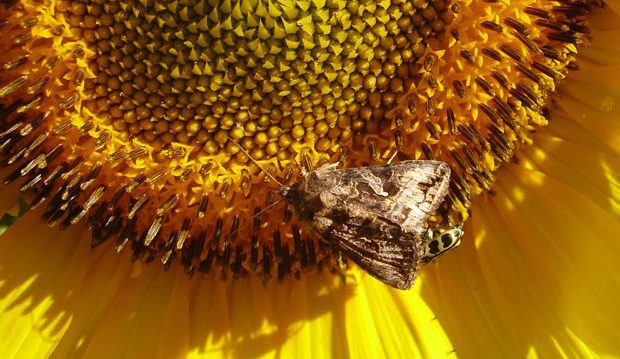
column 92, row 302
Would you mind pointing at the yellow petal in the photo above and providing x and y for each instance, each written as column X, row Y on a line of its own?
column 538, row 275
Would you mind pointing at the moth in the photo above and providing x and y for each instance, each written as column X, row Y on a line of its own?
column 375, row 215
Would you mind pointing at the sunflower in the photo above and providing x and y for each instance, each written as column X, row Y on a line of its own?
column 135, row 137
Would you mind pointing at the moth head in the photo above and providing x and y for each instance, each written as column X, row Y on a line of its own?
column 440, row 242
column 290, row 194
column 285, row 192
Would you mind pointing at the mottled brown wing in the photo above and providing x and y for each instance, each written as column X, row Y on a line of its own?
column 375, row 214
column 405, row 193
column 377, row 246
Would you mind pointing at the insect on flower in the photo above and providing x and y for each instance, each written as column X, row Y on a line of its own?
column 439, row 242
column 376, row 215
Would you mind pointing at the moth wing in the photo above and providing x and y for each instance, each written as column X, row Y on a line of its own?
column 379, row 248
column 375, row 215
column 405, row 193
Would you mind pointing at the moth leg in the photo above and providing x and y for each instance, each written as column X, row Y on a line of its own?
column 392, row 157
column 339, row 268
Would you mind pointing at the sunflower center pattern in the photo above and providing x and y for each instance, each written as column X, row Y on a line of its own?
column 308, row 71
column 129, row 115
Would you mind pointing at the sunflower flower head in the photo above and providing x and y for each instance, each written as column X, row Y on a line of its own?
column 130, row 114
column 157, row 127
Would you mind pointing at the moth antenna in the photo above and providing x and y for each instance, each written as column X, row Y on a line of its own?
column 265, row 209
column 256, row 162
column 254, row 216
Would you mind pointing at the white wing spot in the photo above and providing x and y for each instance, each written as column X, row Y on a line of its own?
column 375, row 183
